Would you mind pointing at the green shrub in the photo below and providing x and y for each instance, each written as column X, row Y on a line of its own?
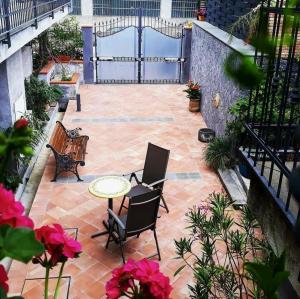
column 220, row 153
column 38, row 95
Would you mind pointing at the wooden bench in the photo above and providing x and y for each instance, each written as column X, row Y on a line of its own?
column 69, row 149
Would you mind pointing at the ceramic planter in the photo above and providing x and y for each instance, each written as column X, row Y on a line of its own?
column 206, row 135
column 194, row 105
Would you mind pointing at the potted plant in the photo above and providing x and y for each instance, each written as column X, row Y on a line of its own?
column 194, row 94
column 201, row 14
column 220, row 154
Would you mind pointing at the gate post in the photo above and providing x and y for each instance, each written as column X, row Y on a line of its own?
column 88, row 63
column 186, row 54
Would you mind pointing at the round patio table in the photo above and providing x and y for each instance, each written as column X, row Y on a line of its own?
column 109, row 187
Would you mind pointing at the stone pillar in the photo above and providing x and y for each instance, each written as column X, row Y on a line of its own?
column 12, row 89
column 166, row 9
column 88, row 65
column 186, row 53
column 86, row 7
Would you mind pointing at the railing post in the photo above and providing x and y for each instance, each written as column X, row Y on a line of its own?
column 78, row 102
column 52, row 8
column 140, row 32
column 35, row 14
column 7, row 22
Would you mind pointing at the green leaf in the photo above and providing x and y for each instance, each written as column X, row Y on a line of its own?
column 179, row 270
column 20, row 244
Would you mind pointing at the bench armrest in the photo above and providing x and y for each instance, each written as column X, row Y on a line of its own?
column 73, row 133
column 116, row 218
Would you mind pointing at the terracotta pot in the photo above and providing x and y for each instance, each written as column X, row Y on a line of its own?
column 63, row 58
column 194, row 105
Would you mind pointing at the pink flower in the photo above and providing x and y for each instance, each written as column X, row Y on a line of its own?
column 3, row 279
column 11, row 211
column 21, row 123
column 152, row 283
column 112, row 289
column 57, row 243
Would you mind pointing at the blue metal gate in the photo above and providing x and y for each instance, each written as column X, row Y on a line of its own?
column 138, row 50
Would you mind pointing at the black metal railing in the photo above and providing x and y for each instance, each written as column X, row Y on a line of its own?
column 272, row 147
column 15, row 15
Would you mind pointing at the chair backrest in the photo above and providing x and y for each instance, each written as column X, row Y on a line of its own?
column 142, row 212
column 156, row 164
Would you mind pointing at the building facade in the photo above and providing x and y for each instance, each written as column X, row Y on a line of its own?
column 20, row 23
column 167, row 9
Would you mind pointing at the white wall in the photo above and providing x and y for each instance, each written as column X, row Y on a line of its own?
column 86, row 7
column 166, row 9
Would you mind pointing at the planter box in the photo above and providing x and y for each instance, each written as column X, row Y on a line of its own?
column 34, row 287
column 47, row 72
column 70, row 88
column 74, row 66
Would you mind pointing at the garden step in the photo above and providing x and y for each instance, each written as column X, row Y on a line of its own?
column 233, row 187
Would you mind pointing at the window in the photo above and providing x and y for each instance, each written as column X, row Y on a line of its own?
column 76, row 4
column 150, row 8
column 184, row 8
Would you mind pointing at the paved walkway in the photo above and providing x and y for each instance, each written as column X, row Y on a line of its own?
column 120, row 121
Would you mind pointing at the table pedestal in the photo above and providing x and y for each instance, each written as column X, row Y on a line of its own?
column 104, row 222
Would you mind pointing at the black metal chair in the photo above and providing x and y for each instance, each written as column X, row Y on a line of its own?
column 141, row 216
column 154, row 174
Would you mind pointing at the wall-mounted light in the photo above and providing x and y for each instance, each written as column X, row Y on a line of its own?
column 216, row 100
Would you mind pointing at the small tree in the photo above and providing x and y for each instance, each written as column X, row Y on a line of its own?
column 232, row 261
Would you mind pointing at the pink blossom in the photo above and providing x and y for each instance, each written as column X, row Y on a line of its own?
column 57, row 243
column 11, row 211
column 152, row 283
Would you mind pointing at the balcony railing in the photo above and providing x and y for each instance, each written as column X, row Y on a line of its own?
column 272, row 149
column 16, row 15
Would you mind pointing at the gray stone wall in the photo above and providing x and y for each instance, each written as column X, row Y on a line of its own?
column 275, row 228
column 210, row 47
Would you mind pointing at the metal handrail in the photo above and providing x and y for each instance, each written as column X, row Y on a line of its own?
column 16, row 15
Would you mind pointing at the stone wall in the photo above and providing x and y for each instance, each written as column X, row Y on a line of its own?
column 210, row 47
column 275, row 227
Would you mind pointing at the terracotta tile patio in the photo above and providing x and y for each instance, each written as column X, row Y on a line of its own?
column 120, row 121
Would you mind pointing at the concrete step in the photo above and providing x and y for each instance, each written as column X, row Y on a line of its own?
column 233, row 186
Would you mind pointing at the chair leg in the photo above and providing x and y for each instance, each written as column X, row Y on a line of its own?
column 122, row 251
column 108, row 240
column 164, row 204
column 122, row 205
column 156, row 242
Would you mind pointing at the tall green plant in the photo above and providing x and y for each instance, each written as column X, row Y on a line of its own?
column 233, row 260
column 38, row 95
column 65, row 38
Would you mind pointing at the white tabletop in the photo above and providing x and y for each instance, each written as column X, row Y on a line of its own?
column 110, row 187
